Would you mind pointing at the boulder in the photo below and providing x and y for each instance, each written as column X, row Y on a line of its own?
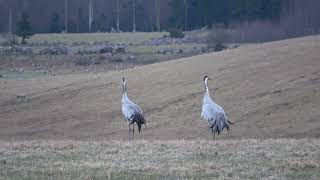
column 57, row 50
column 87, row 51
column 120, row 49
column 16, row 50
column 107, row 49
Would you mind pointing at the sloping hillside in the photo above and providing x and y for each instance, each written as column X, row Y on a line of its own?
column 269, row 90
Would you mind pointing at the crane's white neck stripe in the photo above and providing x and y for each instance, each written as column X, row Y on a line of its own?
column 206, row 85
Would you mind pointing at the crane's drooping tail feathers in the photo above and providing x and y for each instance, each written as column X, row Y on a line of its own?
column 218, row 127
column 145, row 123
column 139, row 123
column 139, row 119
column 230, row 122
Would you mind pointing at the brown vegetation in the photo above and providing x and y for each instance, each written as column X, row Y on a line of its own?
column 233, row 159
column 269, row 90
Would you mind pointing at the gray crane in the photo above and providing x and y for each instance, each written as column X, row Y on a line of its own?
column 213, row 113
column 131, row 112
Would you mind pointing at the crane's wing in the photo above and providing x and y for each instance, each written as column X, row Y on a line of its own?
column 221, row 122
column 129, row 109
column 216, row 117
column 209, row 111
column 133, row 113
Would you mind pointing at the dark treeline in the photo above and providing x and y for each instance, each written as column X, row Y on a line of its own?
column 152, row 15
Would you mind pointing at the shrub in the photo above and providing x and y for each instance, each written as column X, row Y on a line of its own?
column 219, row 47
column 83, row 61
column 176, row 33
column 10, row 40
column 217, row 39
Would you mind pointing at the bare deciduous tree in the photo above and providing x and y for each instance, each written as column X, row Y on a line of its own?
column 66, row 16
column 185, row 14
column 90, row 14
column 118, row 15
column 10, row 21
column 134, row 15
column 158, row 14
column 12, row 11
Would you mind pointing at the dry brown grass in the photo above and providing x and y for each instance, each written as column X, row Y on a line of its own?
column 269, row 90
column 124, row 37
column 65, row 64
column 198, row 159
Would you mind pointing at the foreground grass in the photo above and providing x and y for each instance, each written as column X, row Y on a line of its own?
column 242, row 159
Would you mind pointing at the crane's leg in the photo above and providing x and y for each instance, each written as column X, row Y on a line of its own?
column 129, row 131
column 132, row 131
column 213, row 134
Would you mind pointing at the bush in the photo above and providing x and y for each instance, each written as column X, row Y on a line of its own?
column 176, row 33
column 217, row 40
column 84, row 61
column 10, row 40
column 219, row 47
column 117, row 59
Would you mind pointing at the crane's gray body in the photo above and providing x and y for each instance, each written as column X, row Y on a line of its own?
column 213, row 113
column 131, row 112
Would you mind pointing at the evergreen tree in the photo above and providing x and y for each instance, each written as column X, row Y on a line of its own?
column 211, row 12
column 55, row 26
column 81, row 22
column 24, row 29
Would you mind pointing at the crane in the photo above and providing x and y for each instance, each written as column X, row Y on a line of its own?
column 131, row 112
column 213, row 113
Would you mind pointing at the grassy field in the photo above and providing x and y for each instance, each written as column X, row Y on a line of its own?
column 198, row 159
column 134, row 38
column 71, row 126
column 269, row 90
column 148, row 49
column 65, row 64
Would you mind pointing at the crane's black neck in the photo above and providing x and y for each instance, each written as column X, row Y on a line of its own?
column 124, row 88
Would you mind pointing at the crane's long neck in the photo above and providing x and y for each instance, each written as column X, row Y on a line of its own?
column 206, row 86
column 124, row 89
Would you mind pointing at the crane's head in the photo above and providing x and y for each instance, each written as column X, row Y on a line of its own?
column 124, row 81
column 206, row 78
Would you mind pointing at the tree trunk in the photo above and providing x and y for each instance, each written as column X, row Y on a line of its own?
column 90, row 14
column 118, row 16
column 66, row 16
column 10, row 22
column 185, row 14
column 134, row 16
column 77, row 27
column 23, row 40
column 157, row 8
